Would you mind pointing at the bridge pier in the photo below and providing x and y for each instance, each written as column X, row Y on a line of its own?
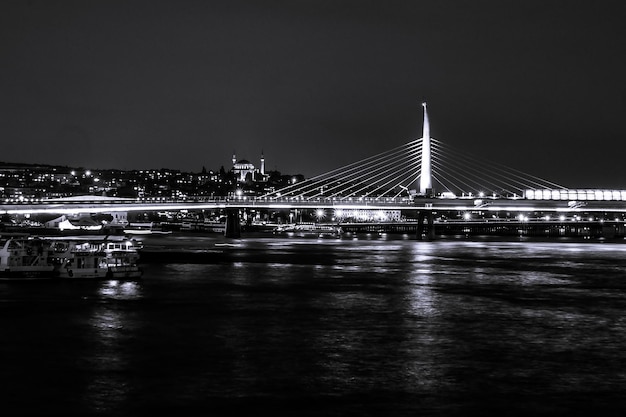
column 425, row 225
column 233, row 223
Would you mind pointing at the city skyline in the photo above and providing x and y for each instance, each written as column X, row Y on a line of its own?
column 228, row 166
column 314, row 85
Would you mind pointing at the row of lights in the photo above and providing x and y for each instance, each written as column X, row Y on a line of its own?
column 562, row 218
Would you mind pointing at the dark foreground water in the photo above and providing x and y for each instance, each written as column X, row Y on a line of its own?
column 326, row 328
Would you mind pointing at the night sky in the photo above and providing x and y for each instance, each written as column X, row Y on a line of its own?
column 539, row 86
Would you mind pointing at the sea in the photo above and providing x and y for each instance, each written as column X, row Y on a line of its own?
column 370, row 325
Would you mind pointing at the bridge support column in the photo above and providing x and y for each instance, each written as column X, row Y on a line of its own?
column 233, row 224
column 425, row 225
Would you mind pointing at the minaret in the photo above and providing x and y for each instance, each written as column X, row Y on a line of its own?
column 262, row 163
column 234, row 159
column 425, row 175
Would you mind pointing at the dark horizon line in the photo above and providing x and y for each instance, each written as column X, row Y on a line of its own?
column 4, row 164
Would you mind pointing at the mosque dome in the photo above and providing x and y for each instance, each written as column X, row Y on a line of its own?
column 243, row 164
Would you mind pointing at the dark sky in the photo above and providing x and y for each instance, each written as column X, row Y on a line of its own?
column 535, row 85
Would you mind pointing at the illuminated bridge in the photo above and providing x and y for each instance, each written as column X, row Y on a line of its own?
column 425, row 179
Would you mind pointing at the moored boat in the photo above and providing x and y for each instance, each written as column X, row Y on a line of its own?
column 145, row 228
column 24, row 258
column 108, row 257
column 309, row 230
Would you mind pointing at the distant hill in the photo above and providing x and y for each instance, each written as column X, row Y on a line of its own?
column 27, row 165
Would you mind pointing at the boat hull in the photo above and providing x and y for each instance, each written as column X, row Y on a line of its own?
column 28, row 273
column 114, row 272
column 308, row 231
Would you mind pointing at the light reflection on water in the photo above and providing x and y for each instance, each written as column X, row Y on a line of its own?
column 121, row 290
column 111, row 329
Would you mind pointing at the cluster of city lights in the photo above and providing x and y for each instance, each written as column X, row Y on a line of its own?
column 467, row 216
column 367, row 215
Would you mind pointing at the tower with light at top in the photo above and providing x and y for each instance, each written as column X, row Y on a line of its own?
column 425, row 175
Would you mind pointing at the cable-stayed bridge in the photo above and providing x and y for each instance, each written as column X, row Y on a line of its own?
column 424, row 176
column 428, row 171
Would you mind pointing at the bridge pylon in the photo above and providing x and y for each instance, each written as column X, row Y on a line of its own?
column 426, row 182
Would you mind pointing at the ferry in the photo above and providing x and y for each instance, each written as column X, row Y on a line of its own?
column 309, row 230
column 26, row 258
column 203, row 225
column 112, row 257
column 145, row 228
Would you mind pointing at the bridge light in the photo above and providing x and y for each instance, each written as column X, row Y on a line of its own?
column 467, row 216
column 561, row 218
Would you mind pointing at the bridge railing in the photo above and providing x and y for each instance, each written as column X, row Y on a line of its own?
column 251, row 201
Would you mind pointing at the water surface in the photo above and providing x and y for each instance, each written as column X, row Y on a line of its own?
column 326, row 327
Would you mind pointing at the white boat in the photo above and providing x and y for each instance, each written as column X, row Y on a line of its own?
column 103, row 257
column 309, row 230
column 203, row 226
column 144, row 228
column 24, row 258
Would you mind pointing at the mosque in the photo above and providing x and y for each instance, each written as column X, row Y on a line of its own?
column 244, row 170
